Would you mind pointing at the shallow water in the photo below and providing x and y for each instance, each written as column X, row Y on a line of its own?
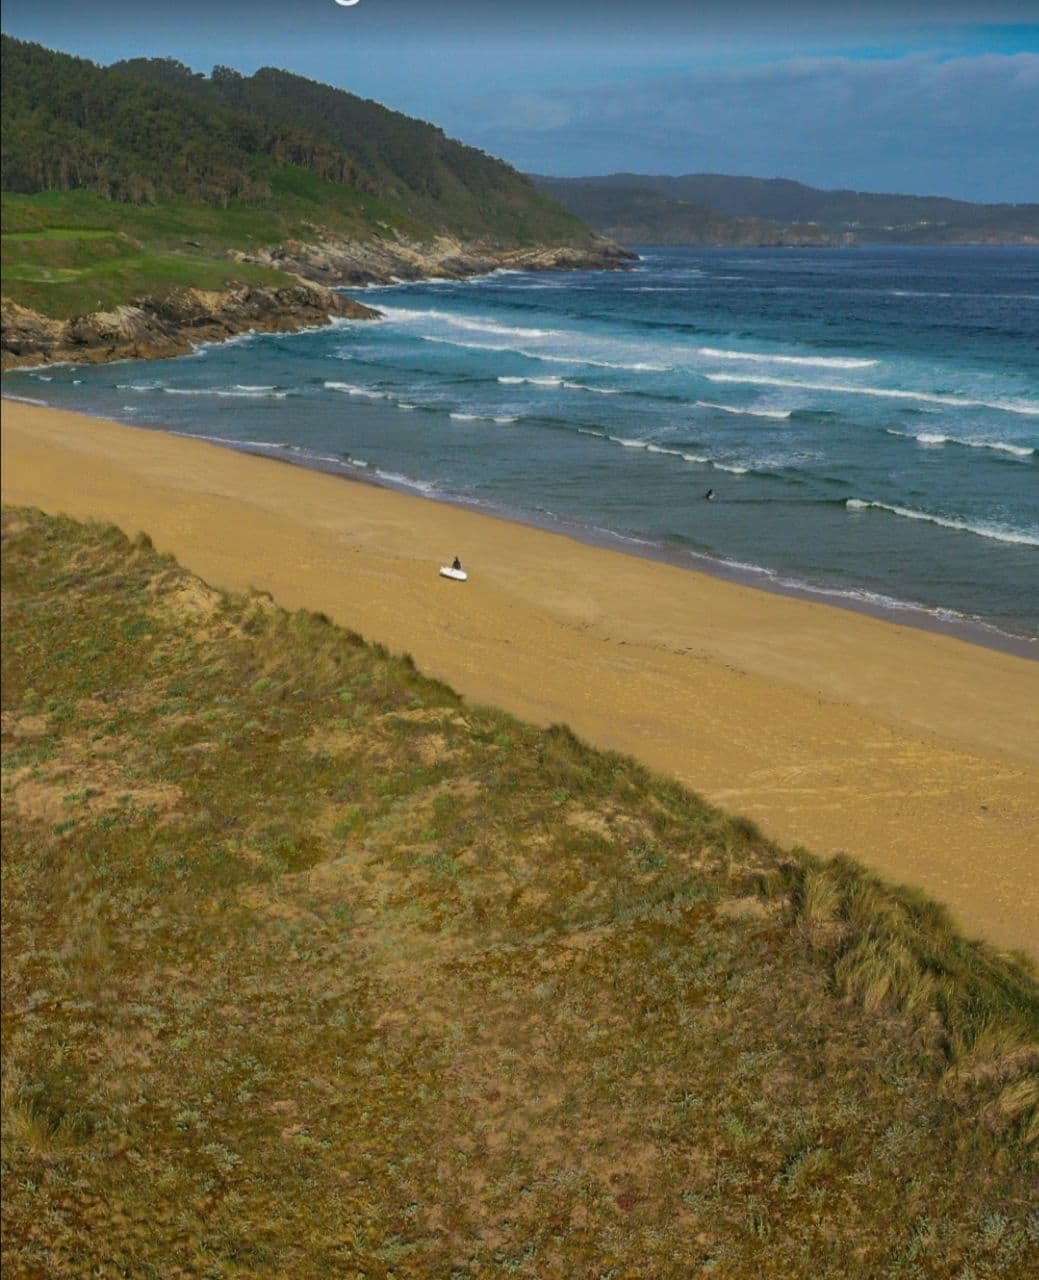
column 868, row 419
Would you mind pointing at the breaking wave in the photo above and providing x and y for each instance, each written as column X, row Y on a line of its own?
column 957, row 402
column 933, row 438
column 994, row 532
column 826, row 362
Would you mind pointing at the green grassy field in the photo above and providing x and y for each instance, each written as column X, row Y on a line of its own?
column 311, row 968
column 67, row 253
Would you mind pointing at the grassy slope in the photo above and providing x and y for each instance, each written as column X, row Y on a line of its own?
column 56, row 260
column 310, row 968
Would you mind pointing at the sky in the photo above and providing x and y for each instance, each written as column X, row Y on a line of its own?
column 930, row 97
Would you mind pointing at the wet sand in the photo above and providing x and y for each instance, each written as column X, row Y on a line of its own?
column 915, row 752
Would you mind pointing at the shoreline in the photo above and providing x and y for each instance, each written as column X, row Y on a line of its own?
column 974, row 631
column 907, row 613
column 914, row 752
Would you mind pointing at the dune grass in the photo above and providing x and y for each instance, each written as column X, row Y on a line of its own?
column 311, row 968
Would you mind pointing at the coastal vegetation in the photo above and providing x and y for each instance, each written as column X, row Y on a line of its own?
column 132, row 184
column 150, row 130
column 311, row 967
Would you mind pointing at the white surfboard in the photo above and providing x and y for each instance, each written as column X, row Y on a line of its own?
column 459, row 575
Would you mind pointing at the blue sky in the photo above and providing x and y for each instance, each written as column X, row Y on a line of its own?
column 916, row 96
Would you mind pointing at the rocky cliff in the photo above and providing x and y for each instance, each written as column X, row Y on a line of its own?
column 153, row 328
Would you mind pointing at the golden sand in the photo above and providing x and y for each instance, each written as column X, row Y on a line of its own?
column 915, row 752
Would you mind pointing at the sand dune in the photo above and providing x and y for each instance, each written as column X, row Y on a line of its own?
column 915, row 752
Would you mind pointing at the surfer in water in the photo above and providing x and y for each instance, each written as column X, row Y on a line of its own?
column 710, row 495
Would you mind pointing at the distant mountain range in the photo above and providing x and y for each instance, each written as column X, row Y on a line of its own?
column 713, row 209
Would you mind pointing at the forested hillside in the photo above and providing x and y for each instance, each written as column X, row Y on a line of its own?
column 151, row 130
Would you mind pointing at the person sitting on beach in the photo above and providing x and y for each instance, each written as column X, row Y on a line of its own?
column 456, row 563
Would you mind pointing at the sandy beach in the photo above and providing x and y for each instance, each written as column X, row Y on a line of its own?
column 915, row 752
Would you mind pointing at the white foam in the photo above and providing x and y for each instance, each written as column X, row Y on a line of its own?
column 246, row 386
column 659, row 448
column 394, row 477
column 735, row 471
column 649, row 447
column 638, row 367
column 827, row 362
column 465, row 417
column 224, row 393
column 505, row 420
column 405, row 315
column 995, row 532
column 752, row 413
column 598, row 391
column 351, row 390
column 1009, row 406
column 537, row 382
column 25, row 399
column 933, row 438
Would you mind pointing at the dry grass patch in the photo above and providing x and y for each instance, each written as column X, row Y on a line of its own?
column 363, row 980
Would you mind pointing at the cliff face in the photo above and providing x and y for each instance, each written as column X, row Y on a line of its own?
column 153, row 328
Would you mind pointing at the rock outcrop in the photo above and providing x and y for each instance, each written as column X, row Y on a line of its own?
column 153, row 328
column 347, row 262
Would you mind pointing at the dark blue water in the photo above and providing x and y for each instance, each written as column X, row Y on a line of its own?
column 868, row 419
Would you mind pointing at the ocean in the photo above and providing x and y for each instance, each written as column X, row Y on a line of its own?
column 867, row 419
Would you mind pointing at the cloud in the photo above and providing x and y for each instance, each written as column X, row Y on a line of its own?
column 923, row 123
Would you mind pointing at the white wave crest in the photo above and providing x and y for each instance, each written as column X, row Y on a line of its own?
column 649, row 447
column 826, row 362
column 983, row 531
column 406, row 315
column 224, row 393
column 561, row 382
column 597, row 391
column 351, row 390
column 933, row 438
column 537, row 382
column 25, row 399
column 753, row 413
column 637, row 367
column 957, row 402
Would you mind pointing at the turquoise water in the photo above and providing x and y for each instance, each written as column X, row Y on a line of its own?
column 868, row 419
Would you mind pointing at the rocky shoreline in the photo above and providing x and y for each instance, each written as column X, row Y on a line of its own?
column 152, row 328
